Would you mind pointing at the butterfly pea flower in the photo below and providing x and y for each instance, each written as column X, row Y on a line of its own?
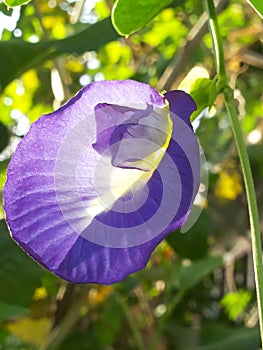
column 95, row 186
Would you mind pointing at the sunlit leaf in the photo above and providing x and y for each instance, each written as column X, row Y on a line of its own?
column 195, row 73
column 257, row 6
column 33, row 331
column 129, row 16
column 20, row 93
column 13, row 3
column 235, row 303
column 102, row 9
column 57, row 26
column 166, row 33
column 74, row 65
column 201, row 91
column 200, row 87
column 115, row 60
column 18, row 56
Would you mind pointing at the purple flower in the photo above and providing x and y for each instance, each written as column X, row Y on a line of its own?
column 96, row 185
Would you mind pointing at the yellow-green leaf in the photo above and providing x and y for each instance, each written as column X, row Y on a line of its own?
column 13, row 3
column 257, row 6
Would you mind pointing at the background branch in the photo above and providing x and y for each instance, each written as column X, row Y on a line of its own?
column 173, row 73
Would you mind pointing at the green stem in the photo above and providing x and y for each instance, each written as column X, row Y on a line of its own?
column 217, row 43
column 62, row 330
column 252, row 203
column 134, row 329
column 172, row 305
column 247, row 173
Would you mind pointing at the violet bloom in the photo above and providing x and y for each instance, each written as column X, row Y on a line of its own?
column 95, row 186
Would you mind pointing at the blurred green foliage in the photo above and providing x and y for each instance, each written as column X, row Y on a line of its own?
column 197, row 291
column 235, row 303
column 16, row 270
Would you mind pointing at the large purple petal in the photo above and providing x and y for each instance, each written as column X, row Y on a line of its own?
column 42, row 213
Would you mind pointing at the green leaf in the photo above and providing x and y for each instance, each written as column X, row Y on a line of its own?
column 19, row 275
column 90, row 39
column 235, row 303
column 239, row 338
column 5, row 10
column 257, row 6
column 10, row 311
column 4, row 137
column 3, row 168
column 129, row 16
column 193, row 244
column 255, row 153
column 13, row 3
column 189, row 276
column 18, row 56
column 203, row 93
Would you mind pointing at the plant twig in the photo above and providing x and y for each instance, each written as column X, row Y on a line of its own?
column 57, row 61
column 77, row 10
column 247, row 173
column 134, row 329
column 64, row 298
column 173, row 72
column 63, row 328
